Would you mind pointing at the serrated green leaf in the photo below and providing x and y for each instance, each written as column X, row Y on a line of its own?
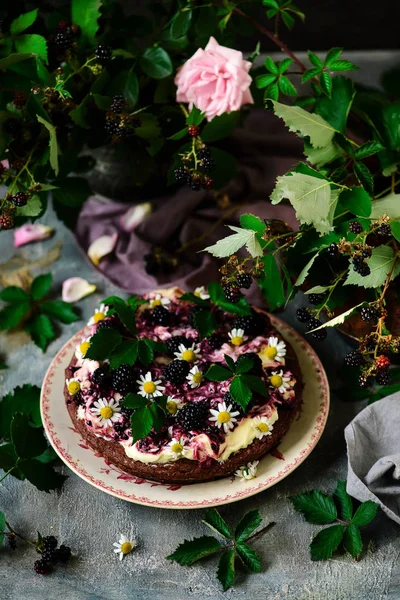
column 326, row 83
column 284, row 65
column 124, row 354
column 314, row 59
column 364, row 176
column 271, row 66
column 179, row 134
column 134, row 401
column 8, row 460
column 23, row 22
column 33, row 207
column 343, row 65
column 388, row 205
column 357, row 201
column 127, row 316
column 300, row 121
column 205, row 323
column 249, row 221
column 255, row 384
column 249, row 557
column 243, row 365
column 218, row 373
column 339, row 319
column 263, row 81
column 368, row 149
column 145, row 352
column 232, row 243
column 332, row 55
column 382, row 262
column 86, row 14
column 41, row 475
column 191, row 551
column 395, row 229
column 247, row 525
column 287, row 19
column 240, row 392
column 141, row 423
column 28, row 441
column 14, row 295
column 305, row 271
column 196, row 117
column 10, row 316
column 344, row 501
column 52, row 143
column 316, row 507
column 60, row 310
column 41, row 286
column 322, row 156
column 41, row 330
column 310, row 74
column 365, row 513
column 26, row 400
column 286, row 87
column 271, row 92
column 2, row 521
column 102, row 343
column 226, row 569
column 32, row 43
column 158, row 416
column 271, row 283
column 156, row 62
column 352, row 541
column 213, row 519
column 335, row 110
column 326, row 542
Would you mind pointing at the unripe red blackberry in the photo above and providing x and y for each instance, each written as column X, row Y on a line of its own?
column 19, row 199
column 193, row 130
column 6, row 221
column 382, row 362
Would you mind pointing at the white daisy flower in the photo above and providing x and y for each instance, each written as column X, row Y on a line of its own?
column 224, row 416
column 173, row 404
column 202, row 293
column 195, row 377
column 73, row 386
column 190, row 354
column 124, row 546
column 276, row 349
column 106, row 411
column 159, row 300
column 236, row 336
column 248, row 471
column 99, row 315
column 279, row 381
column 83, row 348
column 262, row 427
column 149, row 388
column 177, row 446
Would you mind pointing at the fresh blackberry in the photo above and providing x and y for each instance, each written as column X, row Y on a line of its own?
column 6, row 221
column 315, row 298
column 364, row 270
column 63, row 40
column 177, row 371
column 63, row 553
column 111, row 127
column 103, row 54
column 257, row 362
column 12, row 126
column 368, row 314
column 101, row 376
column 383, row 377
column 216, row 340
column 107, row 324
column 384, row 229
column 160, row 315
column 192, row 416
column 251, row 324
column 41, row 567
column 78, row 399
column 48, row 555
column 333, row 250
column 127, row 412
column 353, row 359
column 122, row 379
column 118, row 104
column 313, row 323
column 50, row 542
column 232, row 293
column 303, row 315
column 182, row 175
column 119, row 429
column 193, row 130
column 244, row 280
column 174, row 342
column 204, row 153
column 235, row 405
column 19, row 199
column 364, row 381
column 208, row 165
column 355, row 227
column 367, row 252
column 191, row 315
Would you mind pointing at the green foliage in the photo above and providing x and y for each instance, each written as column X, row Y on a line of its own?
column 275, row 81
column 284, row 9
column 322, row 70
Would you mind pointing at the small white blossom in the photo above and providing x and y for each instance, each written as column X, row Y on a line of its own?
column 224, row 417
column 148, row 387
column 248, row 471
column 276, row 349
column 124, row 546
column 106, row 411
column 236, row 336
column 195, row 377
column 190, row 354
column 202, row 293
column 99, row 315
column 159, row 300
column 262, row 427
column 279, row 381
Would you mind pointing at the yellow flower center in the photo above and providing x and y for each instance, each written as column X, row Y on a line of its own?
column 177, row 447
column 126, row 547
column 196, row 294
column 172, row 407
column 84, row 347
column 197, row 377
column 276, row 381
column 74, row 387
column 271, row 352
column 188, row 355
column 98, row 316
column 155, row 303
column 149, row 387
column 224, row 416
column 106, row 412
column 237, row 340
column 263, row 427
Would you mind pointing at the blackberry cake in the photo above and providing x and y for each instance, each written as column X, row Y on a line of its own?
column 174, row 388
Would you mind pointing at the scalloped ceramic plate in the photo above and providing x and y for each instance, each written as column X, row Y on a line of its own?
column 295, row 446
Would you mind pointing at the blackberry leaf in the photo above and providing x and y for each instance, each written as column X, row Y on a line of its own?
column 365, row 513
column 344, row 501
column 191, row 551
column 249, row 557
column 214, row 520
column 247, row 525
column 326, row 542
column 315, row 506
column 352, row 541
column 226, row 569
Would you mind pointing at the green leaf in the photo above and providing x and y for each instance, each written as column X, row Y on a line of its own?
column 28, row 441
column 192, row 550
column 286, row 87
column 145, row 352
column 326, row 83
column 32, row 43
column 230, row 362
column 103, row 343
column 41, row 286
column 388, row 205
column 179, row 134
column 127, row 316
column 271, row 66
column 344, row 501
column 60, row 310
column 316, row 507
column 255, row 384
column 41, row 331
column 352, row 541
column 205, row 323
column 220, row 127
column 343, row 65
column 131, row 88
column 271, row 92
column 218, row 297
column 368, row 149
column 285, row 64
column 226, row 569
column 2, row 521
column 156, row 63
column 357, row 201
column 335, row 110
column 196, row 117
column 13, row 59
column 249, row 557
column 10, row 316
column 300, row 121
column 365, row 513
column 244, row 365
column 322, row 156
column 312, row 198
column 85, row 14
column 134, row 401
column 158, row 416
column 14, row 295
column 32, row 209
column 218, row 373
column 124, row 354
column 141, row 423
column 213, row 519
column 239, row 391
column 180, row 23
column 41, row 475
column 364, row 176
column 26, row 400
column 232, row 243
column 263, row 81
column 23, row 22
column 52, row 143
column 271, row 284
column 247, row 525
column 72, row 191
column 395, row 229
column 315, row 60
column 249, row 221
column 310, row 74
column 333, row 54
column 326, row 542
column 382, row 262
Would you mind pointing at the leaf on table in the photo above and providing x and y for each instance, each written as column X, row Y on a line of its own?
column 326, row 542
column 41, row 286
column 60, row 310
column 226, row 569
column 28, row 441
column 192, row 550
column 14, row 295
column 352, row 541
column 11, row 315
column 316, row 507
column 344, row 501
column 213, row 519
column 26, row 400
column 247, row 525
column 41, row 330
column 41, row 475
column 249, row 557
column 365, row 513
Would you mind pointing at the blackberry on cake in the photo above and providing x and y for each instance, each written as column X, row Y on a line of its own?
column 177, row 371
column 175, row 341
column 160, row 315
column 193, row 416
column 216, row 340
column 122, row 379
column 251, row 324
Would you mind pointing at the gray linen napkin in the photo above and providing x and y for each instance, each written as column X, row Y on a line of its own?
column 373, row 449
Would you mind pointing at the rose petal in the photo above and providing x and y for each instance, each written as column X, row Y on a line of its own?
column 31, row 233
column 101, row 247
column 76, row 288
column 5, row 164
column 135, row 215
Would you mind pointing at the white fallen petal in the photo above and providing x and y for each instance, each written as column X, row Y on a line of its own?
column 76, row 288
column 135, row 215
column 31, row 233
column 101, row 247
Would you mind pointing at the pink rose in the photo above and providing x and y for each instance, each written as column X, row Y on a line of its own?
column 216, row 80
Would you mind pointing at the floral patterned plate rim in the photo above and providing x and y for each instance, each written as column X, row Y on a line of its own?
column 293, row 449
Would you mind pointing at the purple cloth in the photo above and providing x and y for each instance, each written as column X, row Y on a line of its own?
column 263, row 149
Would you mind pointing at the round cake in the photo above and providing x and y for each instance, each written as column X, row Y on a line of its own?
column 173, row 388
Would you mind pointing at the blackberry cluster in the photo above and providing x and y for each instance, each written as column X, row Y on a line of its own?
column 160, row 315
column 63, row 40
column 303, row 315
column 193, row 416
column 244, row 280
column 315, row 298
column 122, row 379
column 19, row 199
column 383, row 377
column 118, row 104
column 251, row 324
column 196, row 181
column 205, row 160
column 333, row 250
column 232, row 293
column 353, row 359
column 174, row 342
column 368, row 314
column 366, row 252
column 177, row 371
column 313, row 323
column 103, row 54
column 235, row 405
column 51, row 555
column 360, row 266
column 355, row 227
column 120, row 433
column 101, row 376
column 108, row 324
column 384, row 229
column 216, row 340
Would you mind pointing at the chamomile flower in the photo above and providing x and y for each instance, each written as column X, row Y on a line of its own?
column 99, row 315
column 224, row 417
column 248, row 471
column 262, row 427
column 73, row 386
column 83, row 348
column 202, row 293
column 190, row 354
column 124, row 546
column 173, row 405
column 106, row 411
column 177, row 446
column 195, row 377
column 279, row 381
column 276, row 349
column 236, row 336
column 148, row 387
column 159, row 300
